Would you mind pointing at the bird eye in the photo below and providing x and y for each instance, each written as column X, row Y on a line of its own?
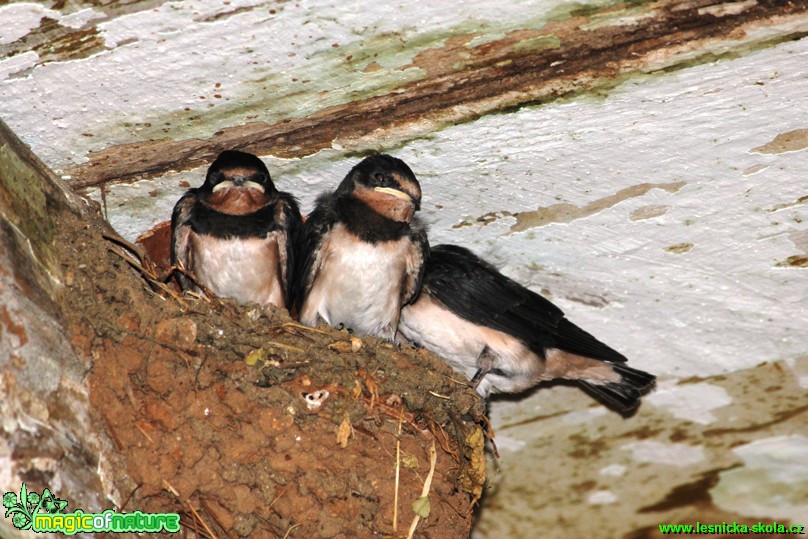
column 383, row 180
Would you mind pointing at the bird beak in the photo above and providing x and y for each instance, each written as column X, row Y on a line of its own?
column 238, row 183
column 395, row 192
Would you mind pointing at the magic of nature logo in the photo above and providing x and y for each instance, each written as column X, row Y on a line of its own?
column 44, row 513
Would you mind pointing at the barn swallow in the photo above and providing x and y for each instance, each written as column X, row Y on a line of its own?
column 506, row 338
column 363, row 250
column 237, row 234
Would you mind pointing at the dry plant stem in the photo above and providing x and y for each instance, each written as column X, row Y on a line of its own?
column 212, row 514
column 443, row 439
column 398, row 474
column 104, row 201
column 286, row 347
column 433, row 459
column 149, row 275
column 129, row 498
column 207, row 294
column 489, row 432
column 205, row 290
column 278, row 497
column 301, row 326
column 290, row 530
column 204, row 524
column 197, row 518
column 115, row 238
column 144, row 433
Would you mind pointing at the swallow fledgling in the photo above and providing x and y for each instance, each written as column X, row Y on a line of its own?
column 363, row 250
column 237, row 234
column 506, row 338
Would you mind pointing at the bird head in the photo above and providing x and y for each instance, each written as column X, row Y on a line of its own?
column 238, row 183
column 386, row 184
column 241, row 170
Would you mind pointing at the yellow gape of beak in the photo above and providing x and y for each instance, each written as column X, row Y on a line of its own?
column 395, row 192
column 228, row 184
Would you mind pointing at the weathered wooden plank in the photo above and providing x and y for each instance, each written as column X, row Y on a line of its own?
column 395, row 85
column 464, row 81
column 47, row 432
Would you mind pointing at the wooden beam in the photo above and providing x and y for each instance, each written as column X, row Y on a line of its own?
column 524, row 67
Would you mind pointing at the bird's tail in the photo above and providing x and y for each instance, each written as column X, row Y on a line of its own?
column 625, row 394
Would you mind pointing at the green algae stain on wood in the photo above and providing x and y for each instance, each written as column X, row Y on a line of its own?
column 25, row 204
column 334, row 73
column 31, row 201
column 345, row 79
column 540, row 43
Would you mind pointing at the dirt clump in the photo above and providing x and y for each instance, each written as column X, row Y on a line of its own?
column 250, row 425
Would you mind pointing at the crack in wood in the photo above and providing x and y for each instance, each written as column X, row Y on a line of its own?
column 510, row 77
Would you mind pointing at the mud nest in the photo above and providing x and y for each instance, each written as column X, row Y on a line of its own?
column 250, row 425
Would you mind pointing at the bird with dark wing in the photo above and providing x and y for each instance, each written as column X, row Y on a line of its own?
column 236, row 234
column 363, row 250
column 506, row 338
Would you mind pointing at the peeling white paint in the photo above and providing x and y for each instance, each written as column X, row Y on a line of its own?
column 669, row 454
column 692, row 402
column 773, row 481
column 15, row 64
column 285, row 60
column 583, row 416
column 20, row 18
column 509, row 444
column 79, row 18
column 799, row 367
column 613, row 470
column 601, row 497
column 783, row 456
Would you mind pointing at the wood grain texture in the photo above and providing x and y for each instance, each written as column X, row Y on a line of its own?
column 510, row 72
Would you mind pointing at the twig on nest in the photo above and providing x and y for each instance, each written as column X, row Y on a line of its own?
column 433, row 459
column 488, row 429
column 204, row 524
column 288, row 347
column 143, row 431
column 443, row 439
column 290, row 530
column 138, row 260
column 398, row 474
column 147, row 272
column 131, row 247
column 212, row 514
column 129, row 498
column 197, row 517
column 301, row 326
